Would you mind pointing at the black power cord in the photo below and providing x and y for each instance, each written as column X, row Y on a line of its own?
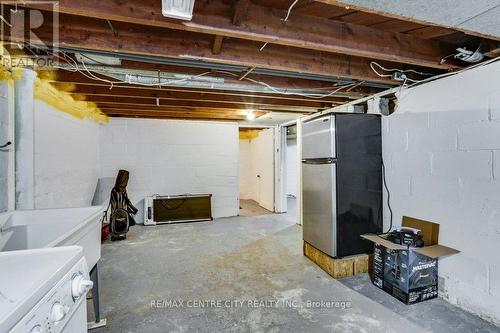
column 388, row 195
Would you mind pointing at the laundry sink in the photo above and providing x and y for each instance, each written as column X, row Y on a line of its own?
column 42, row 228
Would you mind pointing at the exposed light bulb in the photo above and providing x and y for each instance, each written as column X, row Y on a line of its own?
column 250, row 115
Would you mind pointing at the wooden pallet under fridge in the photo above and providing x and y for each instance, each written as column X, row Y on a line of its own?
column 339, row 268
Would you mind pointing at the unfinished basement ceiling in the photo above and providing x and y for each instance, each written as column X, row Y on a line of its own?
column 475, row 17
column 239, row 57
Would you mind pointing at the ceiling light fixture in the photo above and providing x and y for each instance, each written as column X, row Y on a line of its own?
column 250, row 115
column 178, row 9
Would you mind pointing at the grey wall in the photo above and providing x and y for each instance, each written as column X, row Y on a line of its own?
column 442, row 153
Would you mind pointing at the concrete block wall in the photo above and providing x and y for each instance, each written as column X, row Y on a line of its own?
column 442, row 154
column 174, row 157
column 257, row 169
column 5, row 155
column 66, row 158
column 291, row 167
column 247, row 175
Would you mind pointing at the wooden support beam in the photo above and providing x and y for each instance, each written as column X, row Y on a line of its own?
column 217, row 46
column 179, row 112
column 173, row 115
column 166, row 95
column 286, row 82
column 493, row 53
column 70, row 81
column 94, row 35
column 177, row 117
column 113, row 100
column 240, row 11
column 266, row 25
column 204, row 111
column 274, row 81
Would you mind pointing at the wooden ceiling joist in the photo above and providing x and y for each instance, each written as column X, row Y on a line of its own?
column 166, row 95
column 265, row 25
column 217, row 46
column 76, row 83
column 187, row 112
column 274, row 81
column 179, row 116
column 94, row 35
column 240, row 9
column 174, row 115
column 119, row 100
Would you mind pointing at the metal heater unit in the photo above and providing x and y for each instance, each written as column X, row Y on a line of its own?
column 177, row 209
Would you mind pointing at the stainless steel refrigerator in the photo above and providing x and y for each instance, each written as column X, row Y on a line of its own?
column 341, row 182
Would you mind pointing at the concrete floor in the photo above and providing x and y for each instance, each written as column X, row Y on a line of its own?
column 252, row 208
column 241, row 259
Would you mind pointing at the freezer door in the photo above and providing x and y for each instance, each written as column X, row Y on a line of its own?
column 319, row 205
column 318, row 138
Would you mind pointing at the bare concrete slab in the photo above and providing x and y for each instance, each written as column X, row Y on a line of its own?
column 151, row 281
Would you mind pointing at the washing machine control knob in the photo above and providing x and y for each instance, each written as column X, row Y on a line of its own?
column 80, row 285
column 57, row 313
column 37, row 329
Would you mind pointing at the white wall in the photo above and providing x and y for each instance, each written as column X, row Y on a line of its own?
column 442, row 153
column 291, row 167
column 247, row 173
column 66, row 158
column 174, row 157
column 257, row 159
column 7, row 154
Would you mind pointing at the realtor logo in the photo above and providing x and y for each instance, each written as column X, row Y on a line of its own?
column 29, row 33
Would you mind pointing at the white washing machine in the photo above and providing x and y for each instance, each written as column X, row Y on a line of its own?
column 44, row 290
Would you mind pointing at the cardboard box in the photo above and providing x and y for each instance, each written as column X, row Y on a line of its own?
column 409, row 274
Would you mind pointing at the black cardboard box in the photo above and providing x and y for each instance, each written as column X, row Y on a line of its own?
column 409, row 274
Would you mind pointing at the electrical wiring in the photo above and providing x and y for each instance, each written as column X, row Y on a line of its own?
column 88, row 73
column 381, row 75
column 74, row 67
column 285, row 92
column 443, row 60
column 388, row 195
column 440, row 76
column 399, row 70
column 289, row 11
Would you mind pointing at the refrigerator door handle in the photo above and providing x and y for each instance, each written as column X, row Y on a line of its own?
column 319, row 161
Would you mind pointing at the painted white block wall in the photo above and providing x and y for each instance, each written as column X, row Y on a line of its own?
column 66, row 158
column 291, row 167
column 174, row 157
column 247, row 175
column 5, row 154
column 442, row 153
column 257, row 169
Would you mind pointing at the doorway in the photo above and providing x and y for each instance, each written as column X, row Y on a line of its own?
column 291, row 170
column 256, row 171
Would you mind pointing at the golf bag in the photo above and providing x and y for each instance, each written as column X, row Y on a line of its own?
column 122, row 211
